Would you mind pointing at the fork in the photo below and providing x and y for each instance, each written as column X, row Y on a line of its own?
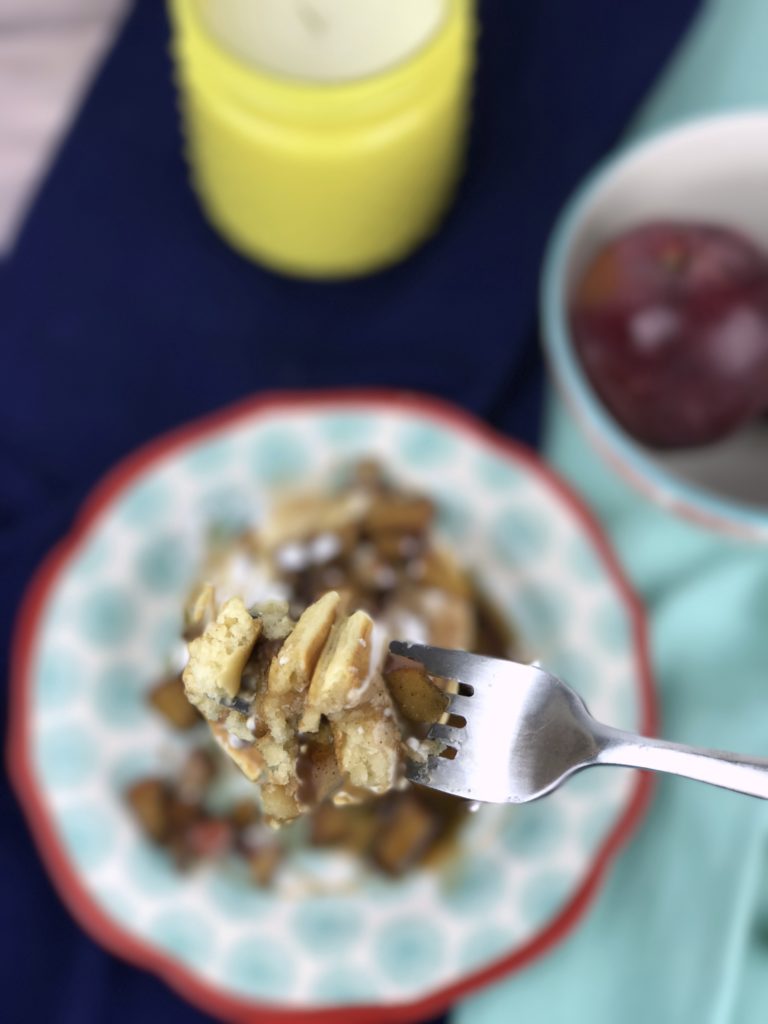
column 516, row 732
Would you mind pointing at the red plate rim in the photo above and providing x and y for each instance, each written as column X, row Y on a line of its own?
column 95, row 920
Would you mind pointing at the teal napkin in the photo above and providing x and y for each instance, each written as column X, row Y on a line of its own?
column 679, row 932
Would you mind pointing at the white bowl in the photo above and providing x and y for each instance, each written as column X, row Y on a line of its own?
column 713, row 169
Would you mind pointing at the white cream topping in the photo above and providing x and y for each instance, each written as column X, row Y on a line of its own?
column 324, row 547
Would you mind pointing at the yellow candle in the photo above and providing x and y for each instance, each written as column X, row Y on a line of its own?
column 325, row 136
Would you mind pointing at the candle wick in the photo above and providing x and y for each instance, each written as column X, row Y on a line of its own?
column 313, row 20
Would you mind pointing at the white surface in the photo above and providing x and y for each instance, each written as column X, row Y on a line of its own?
column 49, row 50
column 715, row 171
column 323, row 40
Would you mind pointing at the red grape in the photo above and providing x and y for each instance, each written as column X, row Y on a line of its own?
column 670, row 322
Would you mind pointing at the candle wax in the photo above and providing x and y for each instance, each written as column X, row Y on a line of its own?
column 323, row 40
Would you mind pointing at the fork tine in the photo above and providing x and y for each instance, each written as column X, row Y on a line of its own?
column 458, row 704
column 448, row 734
column 418, row 773
column 438, row 773
column 431, row 773
column 446, row 664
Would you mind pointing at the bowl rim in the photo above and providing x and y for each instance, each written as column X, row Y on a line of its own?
column 93, row 918
column 629, row 459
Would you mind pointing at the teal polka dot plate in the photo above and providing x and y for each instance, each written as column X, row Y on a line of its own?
column 330, row 941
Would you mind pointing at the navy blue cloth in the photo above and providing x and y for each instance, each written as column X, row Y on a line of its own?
column 122, row 314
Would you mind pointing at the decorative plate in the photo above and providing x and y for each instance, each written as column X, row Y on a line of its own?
column 96, row 626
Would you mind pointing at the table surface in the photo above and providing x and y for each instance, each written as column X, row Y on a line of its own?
column 88, row 303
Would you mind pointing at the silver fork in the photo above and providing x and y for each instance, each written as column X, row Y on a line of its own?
column 518, row 732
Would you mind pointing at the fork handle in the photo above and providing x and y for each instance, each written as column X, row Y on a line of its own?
column 717, row 767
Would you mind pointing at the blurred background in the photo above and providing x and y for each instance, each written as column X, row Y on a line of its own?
column 129, row 305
